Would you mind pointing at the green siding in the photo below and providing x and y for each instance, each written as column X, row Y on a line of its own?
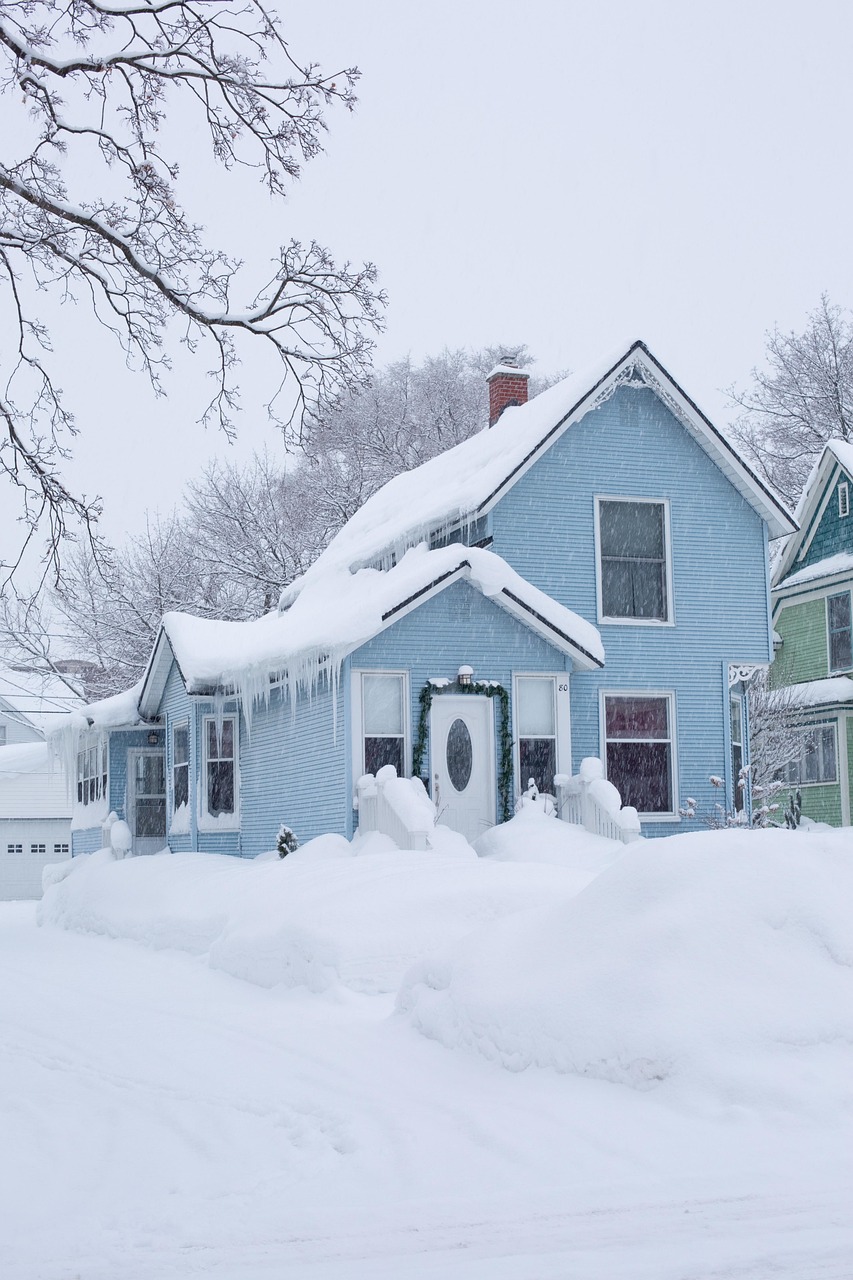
column 803, row 654
column 849, row 721
column 823, row 803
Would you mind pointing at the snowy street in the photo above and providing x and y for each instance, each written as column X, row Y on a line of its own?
column 163, row 1119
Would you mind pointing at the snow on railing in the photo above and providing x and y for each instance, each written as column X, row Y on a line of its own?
column 590, row 801
column 397, row 807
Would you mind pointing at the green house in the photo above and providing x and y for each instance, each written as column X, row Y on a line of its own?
column 812, row 582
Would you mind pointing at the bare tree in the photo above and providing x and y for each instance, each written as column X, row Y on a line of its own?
column 803, row 399
column 775, row 742
column 90, row 210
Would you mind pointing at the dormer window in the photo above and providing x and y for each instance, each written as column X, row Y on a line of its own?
column 843, row 500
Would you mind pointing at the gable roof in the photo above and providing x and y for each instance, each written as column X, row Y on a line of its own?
column 464, row 483
column 341, row 611
column 35, row 700
column 837, row 457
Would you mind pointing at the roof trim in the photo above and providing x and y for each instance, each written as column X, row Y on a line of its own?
column 761, row 497
column 813, row 503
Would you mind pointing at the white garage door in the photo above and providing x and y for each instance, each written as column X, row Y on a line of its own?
column 25, row 850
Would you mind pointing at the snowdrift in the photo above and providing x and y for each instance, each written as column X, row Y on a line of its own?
column 319, row 917
column 720, row 960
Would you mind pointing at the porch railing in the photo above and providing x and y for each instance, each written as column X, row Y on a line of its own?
column 592, row 802
column 396, row 807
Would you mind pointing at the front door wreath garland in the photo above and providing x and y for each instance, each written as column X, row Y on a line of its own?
column 485, row 689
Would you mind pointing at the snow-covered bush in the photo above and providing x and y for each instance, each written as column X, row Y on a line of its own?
column 286, row 841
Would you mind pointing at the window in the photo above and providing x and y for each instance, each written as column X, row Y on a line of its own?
column 843, row 500
column 220, row 765
column 60, row 848
column 383, row 722
column 536, row 727
column 180, row 765
column 839, row 626
column 816, row 758
column 92, row 773
column 638, row 750
column 14, row 848
column 38, row 848
column 632, row 545
column 737, row 751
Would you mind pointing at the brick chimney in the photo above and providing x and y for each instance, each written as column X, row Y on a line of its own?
column 507, row 386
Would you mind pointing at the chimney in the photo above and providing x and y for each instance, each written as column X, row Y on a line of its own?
column 507, row 386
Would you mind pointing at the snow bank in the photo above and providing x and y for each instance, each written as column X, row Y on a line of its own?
column 330, row 912
column 531, row 836
column 719, row 961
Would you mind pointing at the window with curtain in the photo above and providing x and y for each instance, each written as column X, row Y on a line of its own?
column 633, row 556
column 639, row 750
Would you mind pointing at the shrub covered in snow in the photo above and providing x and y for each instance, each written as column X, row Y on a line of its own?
column 286, row 841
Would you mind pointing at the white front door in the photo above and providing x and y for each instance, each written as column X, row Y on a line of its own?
column 146, row 800
column 463, row 762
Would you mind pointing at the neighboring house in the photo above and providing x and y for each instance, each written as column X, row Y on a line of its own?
column 812, row 584
column 35, row 799
column 578, row 580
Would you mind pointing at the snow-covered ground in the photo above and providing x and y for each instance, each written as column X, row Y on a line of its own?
column 562, row 1059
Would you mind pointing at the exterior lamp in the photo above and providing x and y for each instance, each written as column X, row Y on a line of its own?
column 153, row 739
column 464, row 674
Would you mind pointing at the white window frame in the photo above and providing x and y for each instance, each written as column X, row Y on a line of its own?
column 562, row 721
column 38, row 847
column 843, row 500
column 225, row 821
column 61, row 848
column 834, row 671
column 185, row 725
column 100, row 745
column 14, row 848
column 357, row 701
column 669, row 621
column 673, row 815
column 804, row 731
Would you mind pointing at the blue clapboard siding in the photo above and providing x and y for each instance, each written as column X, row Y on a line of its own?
column 458, row 626
column 545, row 527
column 176, row 708
column 293, row 769
column 834, row 533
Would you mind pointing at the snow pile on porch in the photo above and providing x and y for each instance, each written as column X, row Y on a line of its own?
column 356, row 914
column 716, row 964
column 340, row 611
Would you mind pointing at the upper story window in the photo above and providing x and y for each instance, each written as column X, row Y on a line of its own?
column 839, row 626
column 536, row 727
column 383, row 721
column 180, row 765
column 220, row 765
column 843, row 499
column 634, row 561
column 92, row 773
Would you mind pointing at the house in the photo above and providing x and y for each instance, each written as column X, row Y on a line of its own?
column 35, row 798
column 812, row 583
column 578, row 580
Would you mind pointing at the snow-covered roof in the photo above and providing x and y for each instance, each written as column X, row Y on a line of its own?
column 809, row 510
column 24, row 757
column 830, row 566
column 466, row 481
column 817, row 693
column 339, row 611
column 36, row 700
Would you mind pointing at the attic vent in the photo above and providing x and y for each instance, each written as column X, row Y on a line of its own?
column 843, row 499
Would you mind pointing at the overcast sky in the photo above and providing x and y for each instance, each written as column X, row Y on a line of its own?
column 567, row 175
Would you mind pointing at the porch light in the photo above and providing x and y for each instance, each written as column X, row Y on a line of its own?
column 153, row 739
column 464, row 674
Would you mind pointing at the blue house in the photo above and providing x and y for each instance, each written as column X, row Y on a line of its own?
column 586, row 578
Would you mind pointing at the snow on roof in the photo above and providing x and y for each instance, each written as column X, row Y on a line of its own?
column 457, row 485
column 841, row 562
column 24, row 757
column 817, row 693
column 843, row 451
column 340, row 611
column 35, row 699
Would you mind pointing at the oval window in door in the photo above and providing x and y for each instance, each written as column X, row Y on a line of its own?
column 460, row 755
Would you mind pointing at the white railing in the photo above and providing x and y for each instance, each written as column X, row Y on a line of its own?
column 396, row 807
column 592, row 802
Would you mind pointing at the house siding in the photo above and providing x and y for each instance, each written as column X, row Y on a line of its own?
column 803, row 655
column 632, row 446
column 458, row 627
column 822, row 803
column 833, row 533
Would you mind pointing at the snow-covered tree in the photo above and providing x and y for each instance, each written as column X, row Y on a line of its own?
column 802, row 399
column 101, row 103
column 775, row 742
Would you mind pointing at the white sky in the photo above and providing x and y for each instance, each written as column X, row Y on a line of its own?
column 569, row 175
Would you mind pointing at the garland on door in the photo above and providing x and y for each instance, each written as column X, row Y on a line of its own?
column 485, row 689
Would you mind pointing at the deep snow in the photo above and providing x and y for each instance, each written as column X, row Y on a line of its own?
column 163, row 1119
